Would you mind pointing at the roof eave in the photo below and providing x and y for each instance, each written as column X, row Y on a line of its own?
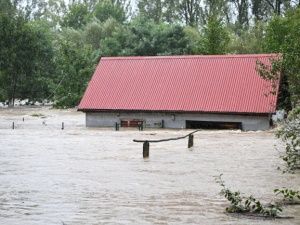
column 173, row 111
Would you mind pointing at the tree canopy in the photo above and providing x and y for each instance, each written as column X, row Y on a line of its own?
column 42, row 41
column 25, row 56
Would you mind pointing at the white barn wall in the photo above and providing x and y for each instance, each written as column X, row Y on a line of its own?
column 152, row 120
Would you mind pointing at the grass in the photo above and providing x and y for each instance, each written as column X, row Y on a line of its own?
column 39, row 115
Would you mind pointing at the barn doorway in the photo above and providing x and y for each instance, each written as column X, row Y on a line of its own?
column 131, row 123
column 213, row 125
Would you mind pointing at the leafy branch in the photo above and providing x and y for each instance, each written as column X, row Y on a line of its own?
column 290, row 135
column 240, row 204
column 289, row 196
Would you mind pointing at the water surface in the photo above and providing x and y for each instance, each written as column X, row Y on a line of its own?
column 98, row 176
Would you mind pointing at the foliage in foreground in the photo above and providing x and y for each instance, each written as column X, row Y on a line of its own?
column 250, row 204
column 282, row 33
column 289, row 196
column 240, row 204
column 290, row 135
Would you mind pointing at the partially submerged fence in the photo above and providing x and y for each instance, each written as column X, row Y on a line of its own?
column 37, row 125
column 146, row 143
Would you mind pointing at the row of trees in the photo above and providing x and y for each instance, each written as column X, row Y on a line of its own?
column 49, row 48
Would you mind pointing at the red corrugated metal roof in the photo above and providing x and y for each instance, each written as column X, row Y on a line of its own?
column 225, row 84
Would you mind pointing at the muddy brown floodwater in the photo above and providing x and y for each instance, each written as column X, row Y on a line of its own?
column 85, row 175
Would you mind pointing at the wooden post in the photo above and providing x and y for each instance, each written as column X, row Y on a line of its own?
column 191, row 141
column 117, row 126
column 62, row 126
column 146, row 147
column 23, row 119
column 141, row 127
column 162, row 124
column 13, row 125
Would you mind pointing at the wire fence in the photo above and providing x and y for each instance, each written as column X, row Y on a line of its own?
column 39, row 125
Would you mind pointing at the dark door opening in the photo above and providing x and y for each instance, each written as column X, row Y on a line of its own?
column 191, row 124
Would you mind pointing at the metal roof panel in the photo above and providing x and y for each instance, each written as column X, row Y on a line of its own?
column 224, row 84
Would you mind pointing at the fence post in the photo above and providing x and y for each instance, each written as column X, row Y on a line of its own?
column 62, row 125
column 13, row 125
column 146, row 143
column 141, row 127
column 117, row 126
column 191, row 141
column 146, row 147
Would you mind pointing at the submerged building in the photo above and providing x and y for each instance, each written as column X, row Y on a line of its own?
column 222, row 91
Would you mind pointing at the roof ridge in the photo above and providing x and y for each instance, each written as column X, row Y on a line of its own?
column 189, row 56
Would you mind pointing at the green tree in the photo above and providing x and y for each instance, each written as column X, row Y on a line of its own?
column 264, row 9
column 250, row 41
column 218, row 9
column 74, row 70
column 160, row 10
column 276, row 33
column 261, row 10
column 171, row 12
column 7, row 6
column 89, row 3
column 193, row 35
column 41, row 70
column 291, row 54
column 152, row 9
column 241, row 8
column 145, row 37
column 107, row 8
column 70, row 34
column 281, row 37
column 95, row 31
column 168, row 40
column 25, row 56
column 279, row 6
column 288, row 65
column 77, row 17
column 47, row 10
column 190, row 11
column 214, row 39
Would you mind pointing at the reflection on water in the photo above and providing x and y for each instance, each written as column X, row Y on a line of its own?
column 98, row 176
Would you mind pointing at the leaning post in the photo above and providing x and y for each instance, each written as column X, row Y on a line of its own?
column 191, row 141
column 146, row 147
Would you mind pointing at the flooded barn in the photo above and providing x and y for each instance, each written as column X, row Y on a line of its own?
column 211, row 92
